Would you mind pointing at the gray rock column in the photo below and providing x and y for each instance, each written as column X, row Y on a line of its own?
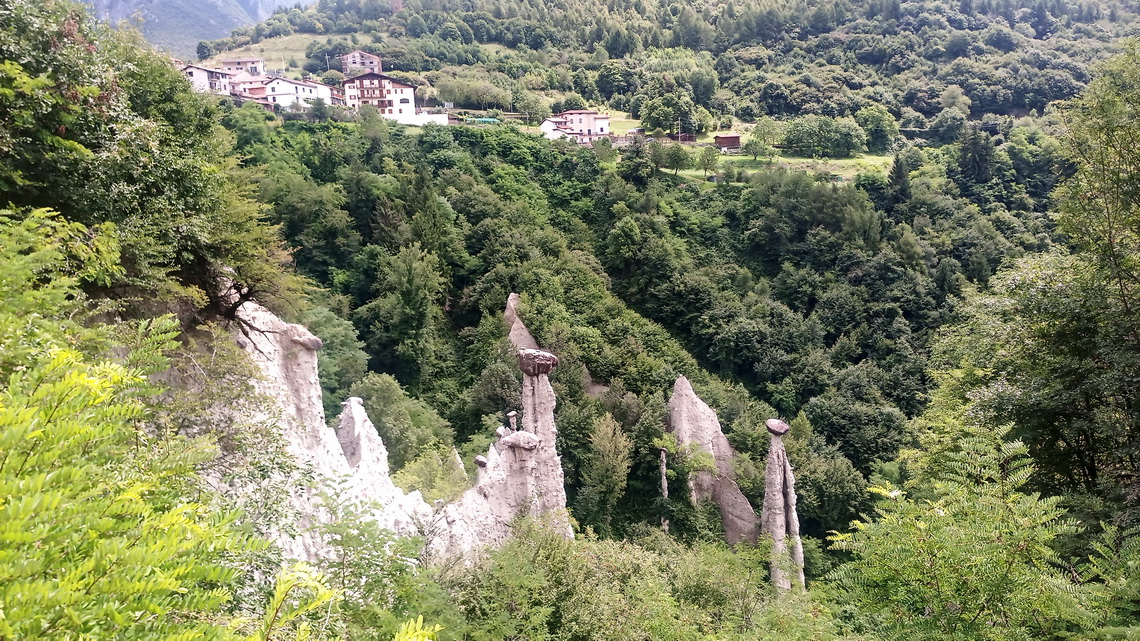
column 779, row 519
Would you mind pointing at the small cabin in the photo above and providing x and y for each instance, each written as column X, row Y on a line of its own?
column 728, row 142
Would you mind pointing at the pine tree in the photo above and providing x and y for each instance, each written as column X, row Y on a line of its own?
column 899, row 182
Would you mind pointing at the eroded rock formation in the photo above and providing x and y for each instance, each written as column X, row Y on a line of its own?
column 517, row 331
column 692, row 421
column 354, row 459
column 521, row 474
column 779, row 519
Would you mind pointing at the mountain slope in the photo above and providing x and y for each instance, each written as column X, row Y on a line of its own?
column 178, row 25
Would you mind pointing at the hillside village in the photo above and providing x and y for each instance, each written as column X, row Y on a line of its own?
column 247, row 79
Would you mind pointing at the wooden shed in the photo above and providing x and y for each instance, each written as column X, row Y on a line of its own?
column 727, row 142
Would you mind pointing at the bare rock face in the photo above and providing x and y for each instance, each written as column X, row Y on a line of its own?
column 521, row 474
column 693, row 421
column 368, row 459
column 355, row 458
column 520, row 336
column 779, row 519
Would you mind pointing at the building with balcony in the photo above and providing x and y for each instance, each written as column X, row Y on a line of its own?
column 395, row 100
column 206, row 80
column 360, row 61
column 582, row 126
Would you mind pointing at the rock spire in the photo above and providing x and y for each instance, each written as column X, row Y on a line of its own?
column 779, row 519
column 521, row 474
column 694, row 422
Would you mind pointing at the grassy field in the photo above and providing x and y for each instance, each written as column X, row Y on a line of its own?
column 846, row 168
column 276, row 51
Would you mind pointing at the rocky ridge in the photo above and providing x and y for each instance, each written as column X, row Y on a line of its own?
column 694, row 423
column 521, row 474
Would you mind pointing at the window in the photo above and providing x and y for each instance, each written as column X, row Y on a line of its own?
column 401, row 111
column 403, row 101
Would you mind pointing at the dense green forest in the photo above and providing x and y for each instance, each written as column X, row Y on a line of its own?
column 954, row 340
column 930, row 64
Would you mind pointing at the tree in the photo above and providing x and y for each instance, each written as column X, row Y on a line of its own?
column 673, row 112
column 318, row 110
column 849, row 138
column 954, row 98
column 636, row 165
column 708, row 160
column 416, row 26
column 604, row 473
column 899, row 181
column 408, row 426
column 341, row 360
column 658, row 154
column 975, row 155
column 402, row 325
column 572, row 102
column 185, row 217
column 764, row 136
column 754, row 148
column 975, row 561
column 677, row 158
column 106, row 532
column 205, row 50
column 948, row 125
column 880, row 127
column 819, row 136
column 604, row 149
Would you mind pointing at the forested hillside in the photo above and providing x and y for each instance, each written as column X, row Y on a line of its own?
column 931, row 64
column 176, row 26
column 953, row 340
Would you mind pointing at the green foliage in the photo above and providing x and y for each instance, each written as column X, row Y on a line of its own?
column 377, row 577
column 975, row 561
column 436, row 472
column 540, row 586
column 103, row 131
column 298, row 591
column 880, row 127
column 819, row 136
column 100, row 536
column 408, row 426
column 677, row 157
column 708, row 160
column 341, row 362
column 604, row 473
column 402, row 325
column 415, row 630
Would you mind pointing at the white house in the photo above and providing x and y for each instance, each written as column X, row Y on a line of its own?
column 243, row 82
column 361, row 60
column 252, row 66
column 394, row 99
column 582, row 126
column 287, row 92
column 206, row 80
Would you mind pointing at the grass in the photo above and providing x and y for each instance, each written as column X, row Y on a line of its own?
column 278, row 52
column 846, row 168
